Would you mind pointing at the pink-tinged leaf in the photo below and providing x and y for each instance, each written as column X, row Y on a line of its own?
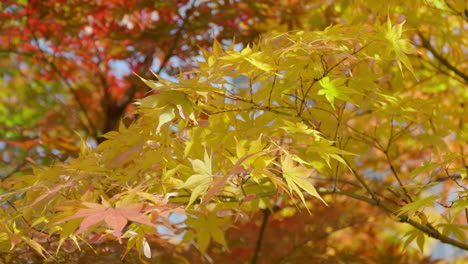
column 134, row 213
column 177, row 210
column 249, row 198
column 203, row 123
column 90, row 221
column 163, row 217
column 181, row 112
column 224, row 213
column 92, row 209
column 94, row 206
column 52, row 192
column 238, row 168
column 130, row 210
column 97, row 238
column 80, row 213
column 120, row 158
column 115, row 220
column 15, row 239
column 140, row 218
column 218, row 185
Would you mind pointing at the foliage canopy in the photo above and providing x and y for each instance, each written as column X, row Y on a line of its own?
column 363, row 121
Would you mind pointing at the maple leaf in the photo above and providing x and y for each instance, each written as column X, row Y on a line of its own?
column 57, row 188
column 201, row 179
column 219, row 182
column 413, row 207
column 116, row 218
column 209, row 227
column 399, row 45
column 335, row 89
column 297, row 176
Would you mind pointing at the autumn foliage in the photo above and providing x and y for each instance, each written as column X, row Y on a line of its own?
column 260, row 132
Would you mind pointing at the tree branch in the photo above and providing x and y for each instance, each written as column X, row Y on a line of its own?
column 427, row 229
column 397, row 177
column 68, row 85
column 258, row 247
column 402, row 218
column 177, row 38
column 325, row 73
column 361, row 180
column 148, row 61
column 426, row 44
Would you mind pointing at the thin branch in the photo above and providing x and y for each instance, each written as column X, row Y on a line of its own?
column 456, row 12
column 206, row 256
column 325, row 73
column 439, row 69
column 177, row 38
column 131, row 92
column 271, row 89
column 426, row 44
column 402, row 218
column 335, row 137
column 258, row 247
column 400, row 133
column 397, row 177
column 18, row 168
column 227, row 110
column 462, row 154
column 304, row 98
column 354, row 184
column 427, row 229
column 259, row 107
column 360, row 179
column 26, row 221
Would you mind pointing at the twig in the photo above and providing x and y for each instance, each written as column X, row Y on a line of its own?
column 360, row 179
column 325, row 73
column 266, row 215
column 178, row 35
column 427, row 229
column 18, row 168
column 271, row 89
column 426, row 44
column 397, row 177
column 402, row 218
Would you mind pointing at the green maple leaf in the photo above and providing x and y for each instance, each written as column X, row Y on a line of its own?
column 335, row 89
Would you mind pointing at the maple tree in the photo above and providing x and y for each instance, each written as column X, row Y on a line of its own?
column 73, row 63
column 305, row 145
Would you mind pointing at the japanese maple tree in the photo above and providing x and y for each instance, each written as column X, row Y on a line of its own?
column 71, row 65
column 336, row 141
